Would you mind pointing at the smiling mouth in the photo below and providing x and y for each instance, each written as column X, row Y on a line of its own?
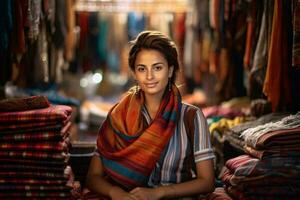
column 151, row 85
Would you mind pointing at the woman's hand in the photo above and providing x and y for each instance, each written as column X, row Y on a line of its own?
column 117, row 193
column 140, row 193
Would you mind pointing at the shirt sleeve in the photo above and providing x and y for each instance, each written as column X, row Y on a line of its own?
column 202, row 146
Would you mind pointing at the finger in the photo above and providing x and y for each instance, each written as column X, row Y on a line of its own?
column 135, row 190
column 135, row 197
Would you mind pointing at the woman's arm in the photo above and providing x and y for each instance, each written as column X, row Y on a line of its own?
column 204, row 183
column 98, row 184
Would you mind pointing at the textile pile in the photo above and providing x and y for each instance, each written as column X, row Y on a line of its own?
column 270, row 169
column 34, row 149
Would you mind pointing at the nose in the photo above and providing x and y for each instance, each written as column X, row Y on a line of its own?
column 149, row 74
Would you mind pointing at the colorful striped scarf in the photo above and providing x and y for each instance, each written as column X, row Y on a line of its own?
column 129, row 148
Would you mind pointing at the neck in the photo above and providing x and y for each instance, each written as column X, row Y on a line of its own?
column 152, row 103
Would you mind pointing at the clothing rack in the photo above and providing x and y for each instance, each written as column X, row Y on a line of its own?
column 145, row 6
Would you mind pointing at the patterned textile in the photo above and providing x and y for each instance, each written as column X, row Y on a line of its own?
column 26, row 103
column 272, row 117
column 41, row 147
column 54, row 113
column 35, row 162
column 171, row 169
column 278, row 190
column 264, row 193
column 10, row 188
column 233, row 136
column 33, row 155
column 250, row 178
column 7, row 128
column 273, row 180
column 41, row 136
column 296, row 34
column 129, row 149
column 260, row 54
column 234, row 163
column 32, row 181
column 277, row 138
column 281, row 151
column 245, row 168
column 37, row 194
column 251, row 135
column 33, row 129
column 234, row 140
column 34, row 152
column 277, row 83
column 28, row 167
column 32, row 174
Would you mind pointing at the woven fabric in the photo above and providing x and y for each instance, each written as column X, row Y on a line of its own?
column 130, row 148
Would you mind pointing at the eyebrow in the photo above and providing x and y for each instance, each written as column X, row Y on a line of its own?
column 158, row 63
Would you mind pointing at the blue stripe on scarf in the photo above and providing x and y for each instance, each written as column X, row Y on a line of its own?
column 123, row 135
column 124, row 171
column 170, row 115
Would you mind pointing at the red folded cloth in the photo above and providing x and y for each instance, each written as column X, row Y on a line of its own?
column 24, row 103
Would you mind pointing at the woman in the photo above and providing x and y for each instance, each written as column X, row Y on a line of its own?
column 144, row 150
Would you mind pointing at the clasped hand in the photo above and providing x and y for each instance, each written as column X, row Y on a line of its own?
column 138, row 193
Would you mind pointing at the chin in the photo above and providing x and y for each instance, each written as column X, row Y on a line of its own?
column 152, row 91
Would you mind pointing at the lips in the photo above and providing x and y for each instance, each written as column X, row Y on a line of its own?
column 150, row 85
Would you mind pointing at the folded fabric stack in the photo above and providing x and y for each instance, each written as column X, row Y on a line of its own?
column 271, row 167
column 274, row 139
column 248, row 178
column 233, row 135
column 34, row 149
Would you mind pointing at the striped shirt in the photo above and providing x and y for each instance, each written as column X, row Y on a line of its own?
column 170, row 168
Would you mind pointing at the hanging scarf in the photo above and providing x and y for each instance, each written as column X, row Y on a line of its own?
column 129, row 147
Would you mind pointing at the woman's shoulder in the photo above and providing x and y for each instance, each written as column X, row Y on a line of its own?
column 190, row 110
column 186, row 107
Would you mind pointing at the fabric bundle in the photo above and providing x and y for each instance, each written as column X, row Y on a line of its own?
column 233, row 135
column 246, row 177
column 270, row 169
column 34, row 149
column 274, row 139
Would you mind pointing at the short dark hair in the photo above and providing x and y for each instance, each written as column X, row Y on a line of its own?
column 157, row 41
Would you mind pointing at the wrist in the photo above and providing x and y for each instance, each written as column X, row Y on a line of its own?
column 113, row 190
column 161, row 192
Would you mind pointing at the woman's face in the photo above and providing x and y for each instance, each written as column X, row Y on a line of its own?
column 152, row 72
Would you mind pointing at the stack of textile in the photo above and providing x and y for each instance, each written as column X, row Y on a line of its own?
column 274, row 139
column 248, row 178
column 34, row 149
column 271, row 167
column 233, row 135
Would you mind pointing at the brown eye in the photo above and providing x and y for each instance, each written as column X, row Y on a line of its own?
column 157, row 67
column 140, row 69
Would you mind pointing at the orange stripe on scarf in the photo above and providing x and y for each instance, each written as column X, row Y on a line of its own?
column 130, row 147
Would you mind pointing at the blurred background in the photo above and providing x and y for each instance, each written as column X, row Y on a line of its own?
column 239, row 59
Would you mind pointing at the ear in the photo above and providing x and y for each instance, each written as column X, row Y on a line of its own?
column 171, row 69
